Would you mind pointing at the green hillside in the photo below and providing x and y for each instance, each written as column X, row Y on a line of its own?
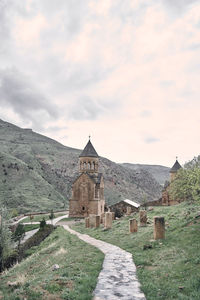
column 36, row 173
column 34, row 278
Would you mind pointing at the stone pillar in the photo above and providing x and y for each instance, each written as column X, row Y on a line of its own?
column 133, row 226
column 143, row 218
column 87, row 223
column 94, row 221
column 113, row 215
column 159, row 228
column 108, row 220
column 128, row 210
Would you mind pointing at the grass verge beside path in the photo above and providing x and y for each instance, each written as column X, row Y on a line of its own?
column 76, row 278
column 38, row 218
column 168, row 269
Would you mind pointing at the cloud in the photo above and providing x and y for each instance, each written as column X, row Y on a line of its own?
column 85, row 108
column 88, row 64
column 151, row 139
column 179, row 6
column 18, row 93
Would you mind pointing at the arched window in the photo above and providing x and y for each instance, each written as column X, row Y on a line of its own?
column 84, row 165
column 89, row 166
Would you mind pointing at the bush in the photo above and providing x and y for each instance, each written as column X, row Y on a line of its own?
column 28, row 247
column 42, row 223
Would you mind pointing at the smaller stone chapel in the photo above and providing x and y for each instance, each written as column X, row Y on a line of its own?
column 88, row 188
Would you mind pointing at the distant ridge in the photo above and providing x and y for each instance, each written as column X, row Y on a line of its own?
column 160, row 173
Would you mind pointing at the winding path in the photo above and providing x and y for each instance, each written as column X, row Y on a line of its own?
column 117, row 280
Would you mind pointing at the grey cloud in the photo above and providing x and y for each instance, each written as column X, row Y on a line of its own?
column 86, row 108
column 167, row 83
column 194, row 47
column 178, row 5
column 55, row 129
column 146, row 113
column 151, row 139
column 17, row 92
column 127, row 12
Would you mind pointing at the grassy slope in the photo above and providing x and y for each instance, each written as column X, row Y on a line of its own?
column 170, row 270
column 76, row 278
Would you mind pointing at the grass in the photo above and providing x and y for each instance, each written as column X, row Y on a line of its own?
column 31, row 227
column 79, row 266
column 170, row 269
column 38, row 218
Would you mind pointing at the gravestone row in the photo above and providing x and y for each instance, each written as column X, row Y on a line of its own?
column 94, row 221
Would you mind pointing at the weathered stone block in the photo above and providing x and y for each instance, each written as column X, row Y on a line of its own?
column 87, row 222
column 159, row 228
column 133, row 226
column 94, row 221
column 113, row 215
column 108, row 220
column 128, row 210
column 143, row 218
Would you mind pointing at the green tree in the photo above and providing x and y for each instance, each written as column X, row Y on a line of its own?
column 5, row 236
column 51, row 216
column 42, row 223
column 186, row 185
column 19, row 234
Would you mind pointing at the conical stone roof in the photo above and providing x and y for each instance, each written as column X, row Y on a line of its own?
column 89, row 151
column 175, row 167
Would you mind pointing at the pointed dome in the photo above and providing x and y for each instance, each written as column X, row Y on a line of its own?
column 89, row 151
column 175, row 167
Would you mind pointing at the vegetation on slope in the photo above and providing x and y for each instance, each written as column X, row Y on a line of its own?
column 186, row 185
column 34, row 278
column 37, row 173
column 168, row 269
column 160, row 173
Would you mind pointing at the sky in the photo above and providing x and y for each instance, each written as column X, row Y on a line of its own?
column 126, row 72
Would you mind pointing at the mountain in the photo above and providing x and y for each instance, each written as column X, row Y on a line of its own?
column 36, row 173
column 160, row 173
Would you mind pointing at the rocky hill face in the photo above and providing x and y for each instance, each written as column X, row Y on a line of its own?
column 160, row 173
column 36, row 173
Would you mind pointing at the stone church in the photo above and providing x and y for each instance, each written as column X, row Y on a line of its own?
column 88, row 188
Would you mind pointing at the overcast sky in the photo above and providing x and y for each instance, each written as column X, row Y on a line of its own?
column 127, row 72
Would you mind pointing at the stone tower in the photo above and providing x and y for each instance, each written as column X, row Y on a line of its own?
column 88, row 188
column 166, row 199
column 174, row 169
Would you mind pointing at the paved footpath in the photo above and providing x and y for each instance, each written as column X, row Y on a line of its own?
column 117, row 280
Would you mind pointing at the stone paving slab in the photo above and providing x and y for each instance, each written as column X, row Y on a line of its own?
column 118, row 279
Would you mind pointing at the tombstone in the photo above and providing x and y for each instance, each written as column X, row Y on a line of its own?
column 143, row 218
column 113, row 215
column 133, row 226
column 159, row 228
column 87, row 223
column 128, row 210
column 108, row 220
column 94, row 221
